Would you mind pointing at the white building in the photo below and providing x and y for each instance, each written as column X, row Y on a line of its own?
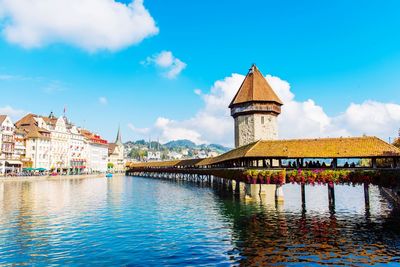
column 97, row 149
column 8, row 162
column 19, row 146
column 60, row 141
column 56, row 145
column 174, row 155
column 37, row 142
column 77, row 152
column 153, row 155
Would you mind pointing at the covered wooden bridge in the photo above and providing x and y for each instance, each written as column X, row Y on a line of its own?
column 358, row 160
column 333, row 153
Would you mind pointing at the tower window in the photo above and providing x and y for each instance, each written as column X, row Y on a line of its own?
column 246, row 120
column 262, row 119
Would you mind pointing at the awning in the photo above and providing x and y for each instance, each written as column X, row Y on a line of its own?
column 14, row 162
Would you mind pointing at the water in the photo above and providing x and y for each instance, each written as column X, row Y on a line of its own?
column 129, row 221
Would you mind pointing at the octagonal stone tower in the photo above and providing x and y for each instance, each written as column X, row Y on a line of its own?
column 255, row 109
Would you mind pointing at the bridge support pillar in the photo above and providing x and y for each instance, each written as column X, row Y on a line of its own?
column 331, row 196
column 279, row 196
column 252, row 190
column 230, row 185
column 303, row 196
column 267, row 193
column 237, row 187
column 366, row 196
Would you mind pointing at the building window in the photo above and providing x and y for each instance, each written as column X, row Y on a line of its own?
column 262, row 119
column 246, row 120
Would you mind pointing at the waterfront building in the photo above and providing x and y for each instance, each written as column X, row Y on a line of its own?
column 8, row 163
column 97, row 149
column 60, row 140
column 20, row 148
column 55, row 144
column 77, row 151
column 116, row 154
column 255, row 109
column 37, row 141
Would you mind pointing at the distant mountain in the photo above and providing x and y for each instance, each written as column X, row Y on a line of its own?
column 182, row 148
column 219, row 148
column 180, row 144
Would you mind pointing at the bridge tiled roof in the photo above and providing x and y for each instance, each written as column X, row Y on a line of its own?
column 351, row 147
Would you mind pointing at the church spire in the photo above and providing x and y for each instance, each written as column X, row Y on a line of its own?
column 118, row 141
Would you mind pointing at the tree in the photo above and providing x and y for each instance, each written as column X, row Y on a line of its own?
column 134, row 154
column 110, row 165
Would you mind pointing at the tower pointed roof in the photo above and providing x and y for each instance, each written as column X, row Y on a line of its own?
column 118, row 141
column 255, row 88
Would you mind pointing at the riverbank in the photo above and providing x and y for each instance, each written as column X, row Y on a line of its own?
column 60, row 177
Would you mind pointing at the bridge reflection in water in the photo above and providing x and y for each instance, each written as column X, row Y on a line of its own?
column 131, row 221
column 269, row 232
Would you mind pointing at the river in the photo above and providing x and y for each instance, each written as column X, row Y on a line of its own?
column 131, row 221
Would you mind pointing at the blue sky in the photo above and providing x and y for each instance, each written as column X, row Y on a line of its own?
column 333, row 52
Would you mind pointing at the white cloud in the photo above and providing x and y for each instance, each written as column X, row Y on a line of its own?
column 141, row 131
column 174, row 130
column 103, row 100
column 198, row 92
column 165, row 60
column 15, row 114
column 371, row 117
column 299, row 119
column 89, row 24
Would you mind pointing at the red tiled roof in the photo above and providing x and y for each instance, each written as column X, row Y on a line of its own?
column 255, row 88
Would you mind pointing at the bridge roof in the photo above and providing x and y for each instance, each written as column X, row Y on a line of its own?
column 352, row 147
column 255, row 88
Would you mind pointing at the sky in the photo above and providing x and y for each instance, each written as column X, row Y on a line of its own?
column 167, row 70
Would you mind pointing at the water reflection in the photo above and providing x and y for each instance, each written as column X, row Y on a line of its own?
column 146, row 222
column 349, row 235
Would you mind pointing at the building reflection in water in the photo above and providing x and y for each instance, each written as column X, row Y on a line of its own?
column 100, row 220
column 40, row 211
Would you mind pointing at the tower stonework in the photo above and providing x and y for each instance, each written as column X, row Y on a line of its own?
column 255, row 109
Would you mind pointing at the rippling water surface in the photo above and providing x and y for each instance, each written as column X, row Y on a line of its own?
column 130, row 221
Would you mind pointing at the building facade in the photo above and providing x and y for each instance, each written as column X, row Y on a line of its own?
column 116, row 154
column 37, row 141
column 77, row 151
column 8, row 162
column 255, row 109
column 97, row 152
column 56, row 145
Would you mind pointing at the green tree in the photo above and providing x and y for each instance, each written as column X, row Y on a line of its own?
column 134, row 154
